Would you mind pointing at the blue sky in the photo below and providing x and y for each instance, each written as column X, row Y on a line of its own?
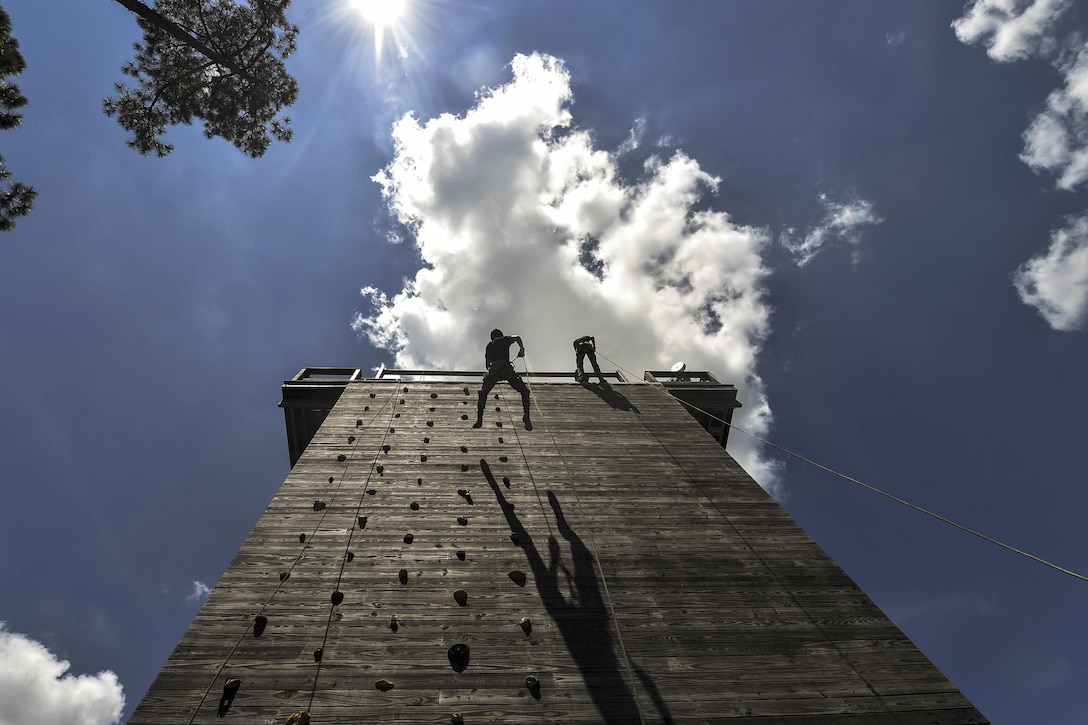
column 871, row 216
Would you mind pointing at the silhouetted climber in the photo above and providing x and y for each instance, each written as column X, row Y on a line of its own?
column 499, row 367
column 583, row 347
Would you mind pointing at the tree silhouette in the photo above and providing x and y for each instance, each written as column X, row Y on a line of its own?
column 16, row 199
column 219, row 61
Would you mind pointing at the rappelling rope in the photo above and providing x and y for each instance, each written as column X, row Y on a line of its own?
column 354, row 527
column 864, row 485
column 524, row 458
column 592, row 548
column 298, row 557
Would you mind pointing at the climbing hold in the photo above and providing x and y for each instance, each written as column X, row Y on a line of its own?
column 403, row 576
column 430, row 424
column 380, row 469
column 259, row 623
column 384, row 685
column 396, row 415
column 426, row 440
column 337, row 597
column 402, row 401
column 419, row 481
column 230, row 689
column 319, row 505
column 466, row 390
column 431, row 409
column 365, row 408
column 461, row 596
column 506, row 481
column 496, row 396
column 284, row 574
column 408, row 538
column 500, row 439
column 299, row 718
column 463, row 520
column 362, row 522
column 359, row 421
column 504, row 459
column 302, row 538
column 318, row 654
column 385, row 448
column 518, row 577
column 331, row 479
column 457, row 719
column 406, row 390
column 464, row 416
column 461, row 555
column 498, row 409
column 414, row 505
column 351, row 439
column 341, row 458
column 434, row 395
column 498, row 424
column 532, row 682
column 464, row 466
column 392, row 430
column 462, row 492
column 393, row 624
column 526, row 625
column 350, row 555
column 458, row 654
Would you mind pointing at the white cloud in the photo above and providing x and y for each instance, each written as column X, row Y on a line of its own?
column 200, row 592
column 1056, row 283
column 842, row 221
column 896, row 38
column 34, row 688
column 1010, row 29
column 523, row 224
column 1057, row 140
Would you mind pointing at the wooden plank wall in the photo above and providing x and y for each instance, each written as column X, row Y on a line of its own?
column 661, row 584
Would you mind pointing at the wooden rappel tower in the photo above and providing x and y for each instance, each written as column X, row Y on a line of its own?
column 614, row 564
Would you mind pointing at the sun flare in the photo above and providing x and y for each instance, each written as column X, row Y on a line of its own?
column 381, row 15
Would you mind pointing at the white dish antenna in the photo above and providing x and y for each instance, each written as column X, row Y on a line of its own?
column 679, row 368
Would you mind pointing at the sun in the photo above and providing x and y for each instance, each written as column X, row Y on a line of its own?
column 381, row 15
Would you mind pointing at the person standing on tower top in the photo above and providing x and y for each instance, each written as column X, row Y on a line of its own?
column 586, row 346
column 499, row 367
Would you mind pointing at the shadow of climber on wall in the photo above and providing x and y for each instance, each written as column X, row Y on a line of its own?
column 499, row 367
column 583, row 618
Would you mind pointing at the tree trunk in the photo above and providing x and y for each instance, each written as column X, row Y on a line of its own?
column 168, row 26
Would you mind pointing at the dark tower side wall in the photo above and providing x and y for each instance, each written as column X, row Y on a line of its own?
column 661, row 583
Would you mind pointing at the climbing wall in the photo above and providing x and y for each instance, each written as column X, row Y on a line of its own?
column 614, row 564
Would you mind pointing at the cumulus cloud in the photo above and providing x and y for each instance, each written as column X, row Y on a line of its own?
column 522, row 223
column 841, row 221
column 34, row 688
column 1056, row 282
column 1010, row 29
column 1057, row 140
column 200, row 592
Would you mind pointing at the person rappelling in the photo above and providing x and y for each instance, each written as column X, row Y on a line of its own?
column 499, row 367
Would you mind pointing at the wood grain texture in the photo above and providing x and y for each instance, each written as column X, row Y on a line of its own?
column 662, row 584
